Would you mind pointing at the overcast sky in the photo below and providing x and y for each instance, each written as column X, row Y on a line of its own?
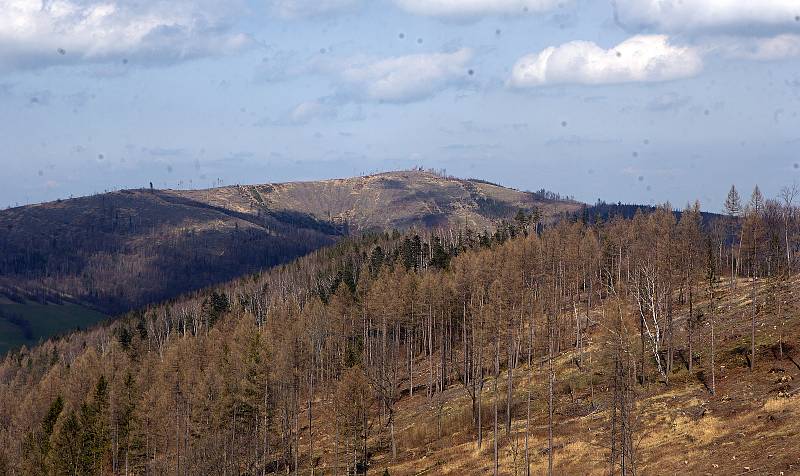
column 627, row 100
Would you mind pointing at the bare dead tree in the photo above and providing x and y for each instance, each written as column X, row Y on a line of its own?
column 623, row 450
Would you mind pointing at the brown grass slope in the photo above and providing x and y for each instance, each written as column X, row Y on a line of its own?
column 751, row 425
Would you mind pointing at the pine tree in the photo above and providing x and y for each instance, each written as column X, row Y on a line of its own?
column 733, row 203
column 66, row 457
column 37, row 445
column 95, row 435
column 733, row 209
column 439, row 257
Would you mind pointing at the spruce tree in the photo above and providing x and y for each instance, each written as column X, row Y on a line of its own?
column 37, row 445
column 66, row 456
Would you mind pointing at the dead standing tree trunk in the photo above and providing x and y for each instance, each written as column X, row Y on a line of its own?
column 623, row 454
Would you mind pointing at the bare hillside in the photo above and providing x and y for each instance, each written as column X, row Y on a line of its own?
column 389, row 200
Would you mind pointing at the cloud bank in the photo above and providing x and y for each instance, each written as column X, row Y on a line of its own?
column 759, row 49
column 642, row 58
column 38, row 33
column 471, row 8
column 406, row 78
column 742, row 16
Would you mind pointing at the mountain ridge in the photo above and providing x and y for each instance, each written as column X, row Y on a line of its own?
column 355, row 199
column 121, row 250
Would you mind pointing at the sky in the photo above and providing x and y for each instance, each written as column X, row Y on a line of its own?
column 642, row 101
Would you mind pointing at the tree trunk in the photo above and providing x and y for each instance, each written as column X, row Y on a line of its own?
column 510, row 372
column 713, row 352
column 528, row 429
column 753, row 326
column 690, row 327
column 550, row 400
column 496, row 397
column 310, row 415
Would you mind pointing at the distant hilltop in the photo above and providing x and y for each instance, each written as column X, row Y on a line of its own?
column 120, row 250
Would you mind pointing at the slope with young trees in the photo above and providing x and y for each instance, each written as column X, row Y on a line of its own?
column 569, row 348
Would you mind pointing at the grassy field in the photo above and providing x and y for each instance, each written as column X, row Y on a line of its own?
column 26, row 324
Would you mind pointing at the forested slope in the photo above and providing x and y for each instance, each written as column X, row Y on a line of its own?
column 102, row 255
column 645, row 344
column 118, row 251
column 124, row 249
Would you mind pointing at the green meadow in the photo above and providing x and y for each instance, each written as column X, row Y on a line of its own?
column 29, row 323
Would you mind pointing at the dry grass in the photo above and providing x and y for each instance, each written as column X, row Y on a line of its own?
column 749, row 427
column 405, row 198
column 783, row 404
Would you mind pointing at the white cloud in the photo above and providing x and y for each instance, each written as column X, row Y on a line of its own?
column 310, row 8
column 759, row 49
column 468, row 8
column 643, row 58
column 406, row 78
column 35, row 33
column 746, row 16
